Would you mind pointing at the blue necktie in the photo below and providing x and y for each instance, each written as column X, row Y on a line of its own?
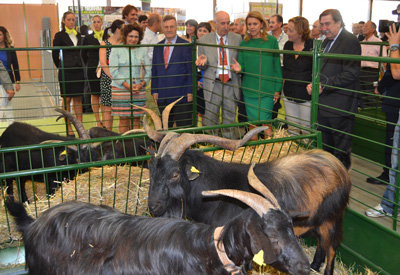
column 328, row 46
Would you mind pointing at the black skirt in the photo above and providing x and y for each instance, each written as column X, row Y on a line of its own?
column 72, row 83
column 94, row 82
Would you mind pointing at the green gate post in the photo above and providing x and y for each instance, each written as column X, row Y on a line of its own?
column 315, row 82
column 194, row 81
column 63, row 92
column 130, row 83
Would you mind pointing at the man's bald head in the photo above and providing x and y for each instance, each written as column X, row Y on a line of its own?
column 316, row 29
column 222, row 21
column 154, row 22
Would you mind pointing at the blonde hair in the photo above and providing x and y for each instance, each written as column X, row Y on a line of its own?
column 257, row 15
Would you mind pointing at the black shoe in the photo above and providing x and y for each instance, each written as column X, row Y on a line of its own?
column 381, row 180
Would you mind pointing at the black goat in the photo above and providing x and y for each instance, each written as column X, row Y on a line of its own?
column 80, row 238
column 313, row 183
column 115, row 149
column 21, row 134
column 123, row 148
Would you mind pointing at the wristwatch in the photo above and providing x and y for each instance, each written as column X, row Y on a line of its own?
column 394, row 47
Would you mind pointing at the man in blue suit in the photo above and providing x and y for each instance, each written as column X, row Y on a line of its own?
column 172, row 75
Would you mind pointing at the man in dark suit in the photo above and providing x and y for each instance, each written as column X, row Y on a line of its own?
column 172, row 75
column 337, row 106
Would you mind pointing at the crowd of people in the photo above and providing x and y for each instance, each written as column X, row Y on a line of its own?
column 244, row 83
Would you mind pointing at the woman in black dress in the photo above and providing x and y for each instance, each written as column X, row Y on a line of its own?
column 297, row 68
column 91, row 59
column 69, row 64
column 106, row 78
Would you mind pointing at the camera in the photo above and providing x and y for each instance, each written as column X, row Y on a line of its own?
column 384, row 25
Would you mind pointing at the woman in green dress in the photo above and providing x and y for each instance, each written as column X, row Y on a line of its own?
column 262, row 73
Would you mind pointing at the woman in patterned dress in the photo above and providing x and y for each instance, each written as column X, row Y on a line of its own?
column 131, row 71
column 105, row 79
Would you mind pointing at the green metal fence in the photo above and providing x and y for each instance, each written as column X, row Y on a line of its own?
column 366, row 241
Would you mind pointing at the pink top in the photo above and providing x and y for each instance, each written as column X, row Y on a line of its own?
column 372, row 50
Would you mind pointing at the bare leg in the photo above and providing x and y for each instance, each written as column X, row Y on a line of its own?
column 96, row 108
column 107, row 117
column 67, row 103
column 77, row 105
column 123, row 124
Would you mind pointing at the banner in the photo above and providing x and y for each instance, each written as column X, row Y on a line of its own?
column 109, row 14
column 266, row 8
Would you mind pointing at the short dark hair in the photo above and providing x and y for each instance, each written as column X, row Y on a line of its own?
column 168, row 17
column 142, row 18
column 336, row 16
column 361, row 22
column 205, row 25
column 131, row 27
column 127, row 9
column 279, row 18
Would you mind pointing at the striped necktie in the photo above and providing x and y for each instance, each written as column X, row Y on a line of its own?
column 223, row 61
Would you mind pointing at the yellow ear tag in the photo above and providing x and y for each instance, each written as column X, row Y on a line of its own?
column 63, row 153
column 194, row 170
column 259, row 258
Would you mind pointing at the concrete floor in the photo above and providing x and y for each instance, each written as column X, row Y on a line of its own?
column 365, row 195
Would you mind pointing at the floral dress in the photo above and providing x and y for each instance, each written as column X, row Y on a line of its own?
column 105, row 82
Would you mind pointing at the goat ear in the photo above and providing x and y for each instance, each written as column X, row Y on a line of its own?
column 259, row 241
column 192, row 172
column 299, row 215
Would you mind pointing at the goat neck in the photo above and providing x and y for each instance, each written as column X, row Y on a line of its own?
column 219, row 247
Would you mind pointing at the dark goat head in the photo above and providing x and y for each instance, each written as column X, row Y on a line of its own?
column 276, row 236
column 168, row 176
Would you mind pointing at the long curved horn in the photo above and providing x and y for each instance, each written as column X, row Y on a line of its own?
column 260, row 187
column 258, row 203
column 133, row 131
column 153, row 134
column 53, row 141
column 82, row 132
column 165, row 113
column 186, row 140
column 154, row 116
column 166, row 141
